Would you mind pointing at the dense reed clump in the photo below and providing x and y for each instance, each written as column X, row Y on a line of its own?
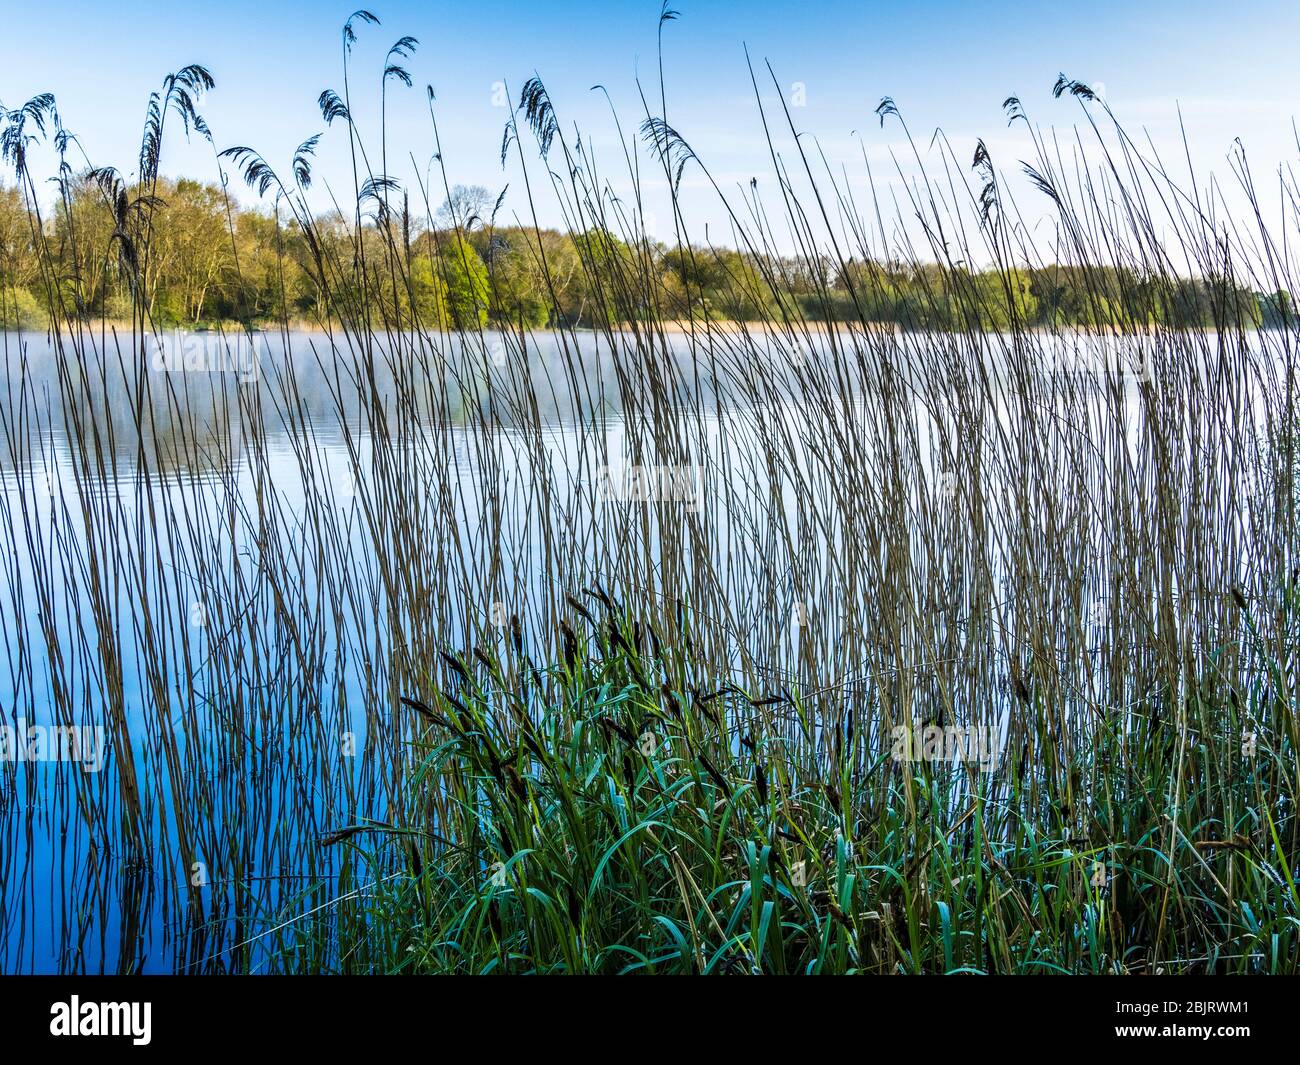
column 608, row 814
column 433, row 641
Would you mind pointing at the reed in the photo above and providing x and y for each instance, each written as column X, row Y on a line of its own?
column 391, row 685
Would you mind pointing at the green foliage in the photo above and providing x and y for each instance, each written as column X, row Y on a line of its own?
column 614, row 814
column 1277, row 311
column 725, row 282
column 1005, row 299
column 209, row 259
column 520, row 290
column 20, row 310
column 465, row 279
column 428, row 292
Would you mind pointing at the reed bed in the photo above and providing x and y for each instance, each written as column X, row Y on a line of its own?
column 391, row 685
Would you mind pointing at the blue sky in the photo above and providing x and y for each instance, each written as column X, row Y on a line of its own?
column 1231, row 68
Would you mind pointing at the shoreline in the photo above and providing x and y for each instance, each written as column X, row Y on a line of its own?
column 676, row 327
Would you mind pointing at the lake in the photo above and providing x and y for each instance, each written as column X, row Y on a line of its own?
column 228, row 557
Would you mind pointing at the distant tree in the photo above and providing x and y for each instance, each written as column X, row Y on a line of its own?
column 19, row 266
column 464, row 205
column 272, row 281
column 1005, row 298
column 428, row 294
column 516, row 278
column 1276, row 311
column 604, row 291
column 84, row 228
column 19, row 309
column 191, row 257
column 468, row 292
column 726, row 282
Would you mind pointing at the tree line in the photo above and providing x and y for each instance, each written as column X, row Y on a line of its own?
column 213, row 260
